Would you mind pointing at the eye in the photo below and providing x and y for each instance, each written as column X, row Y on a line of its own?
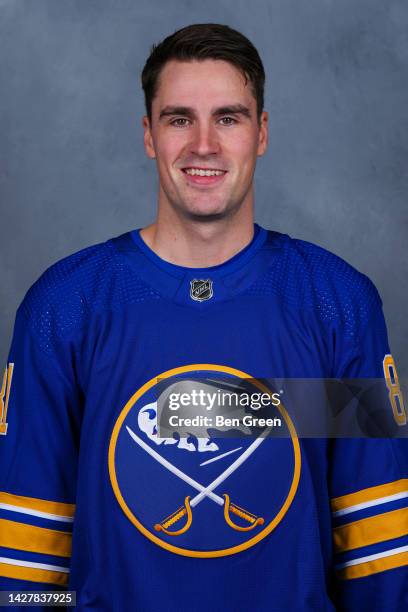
column 180, row 122
column 228, row 121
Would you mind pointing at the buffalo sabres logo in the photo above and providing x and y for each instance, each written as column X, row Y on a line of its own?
column 201, row 290
column 209, row 490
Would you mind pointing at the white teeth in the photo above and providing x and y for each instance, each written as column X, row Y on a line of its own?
column 198, row 172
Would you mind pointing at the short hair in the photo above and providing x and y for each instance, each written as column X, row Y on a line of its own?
column 203, row 41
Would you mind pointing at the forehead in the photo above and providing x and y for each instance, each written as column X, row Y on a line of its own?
column 194, row 83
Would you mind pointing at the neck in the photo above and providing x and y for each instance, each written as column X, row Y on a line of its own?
column 198, row 244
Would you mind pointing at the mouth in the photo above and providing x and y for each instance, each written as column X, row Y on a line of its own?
column 204, row 176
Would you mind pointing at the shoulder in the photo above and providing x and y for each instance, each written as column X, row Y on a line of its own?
column 309, row 277
column 68, row 277
column 60, row 301
column 327, row 271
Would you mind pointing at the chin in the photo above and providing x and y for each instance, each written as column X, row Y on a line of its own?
column 205, row 212
column 205, row 217
column 200, row 210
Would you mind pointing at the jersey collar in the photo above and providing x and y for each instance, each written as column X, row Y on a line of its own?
column 200, row 288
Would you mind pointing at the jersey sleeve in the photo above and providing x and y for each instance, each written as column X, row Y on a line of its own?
column 369, row 490
column 38, row 464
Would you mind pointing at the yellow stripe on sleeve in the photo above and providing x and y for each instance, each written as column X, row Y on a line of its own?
column 373, row 567
column 370, row 494
column 371, row 530
column 35, row 539
column 42, row 505
column 33, row 574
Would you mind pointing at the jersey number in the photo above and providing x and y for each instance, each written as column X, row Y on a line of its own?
column 4, row 397
column 394, row 391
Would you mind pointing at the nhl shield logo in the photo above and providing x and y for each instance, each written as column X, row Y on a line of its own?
column 201, row 289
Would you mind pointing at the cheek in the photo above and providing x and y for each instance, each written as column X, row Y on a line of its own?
column 243, row 148
column 168, row 154
column 170, row 147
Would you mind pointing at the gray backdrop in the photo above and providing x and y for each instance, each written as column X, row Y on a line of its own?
column 73, row 169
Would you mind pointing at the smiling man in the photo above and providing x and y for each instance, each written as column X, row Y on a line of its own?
column 206, row 129
column 98, row 492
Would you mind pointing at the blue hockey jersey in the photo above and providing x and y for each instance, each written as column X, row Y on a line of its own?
column 94, row 499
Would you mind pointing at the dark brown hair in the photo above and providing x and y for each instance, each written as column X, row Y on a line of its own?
column 205, row 41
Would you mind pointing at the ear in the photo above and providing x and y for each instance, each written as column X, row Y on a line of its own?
column 263, row 134
column 148, row 139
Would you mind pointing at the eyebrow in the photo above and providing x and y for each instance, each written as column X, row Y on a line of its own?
column 186, row 111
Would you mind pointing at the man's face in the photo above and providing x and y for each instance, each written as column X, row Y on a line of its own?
column 204, row 121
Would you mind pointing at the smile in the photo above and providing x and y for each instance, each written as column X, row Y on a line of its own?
column 203, row 172
column 204, row 177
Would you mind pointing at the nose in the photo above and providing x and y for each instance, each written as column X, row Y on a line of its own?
column 205, row 140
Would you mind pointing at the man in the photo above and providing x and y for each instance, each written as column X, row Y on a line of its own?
column 201, row 296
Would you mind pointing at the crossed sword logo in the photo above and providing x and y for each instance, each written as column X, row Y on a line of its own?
column 208, row 491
